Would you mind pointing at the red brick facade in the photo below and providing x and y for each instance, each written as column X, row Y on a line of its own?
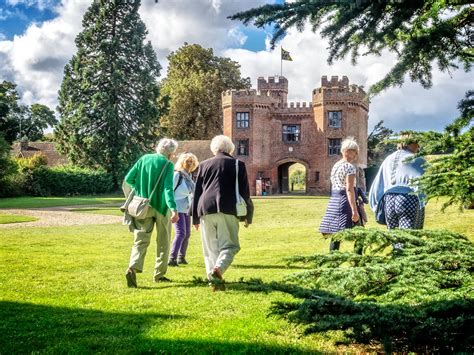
column 273, row 135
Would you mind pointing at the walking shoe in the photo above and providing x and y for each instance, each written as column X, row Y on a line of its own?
column 162, row 279
column 182, row 260
column 131, row 277
column 216, row 281
column 172, row 262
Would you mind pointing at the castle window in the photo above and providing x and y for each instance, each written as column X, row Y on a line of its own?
column 316, row 177
column 242, row 119
column 335, row 119
column 243, row 147
column 291, row 133
column 334, row 147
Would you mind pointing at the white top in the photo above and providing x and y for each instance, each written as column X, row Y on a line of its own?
column 339, row 172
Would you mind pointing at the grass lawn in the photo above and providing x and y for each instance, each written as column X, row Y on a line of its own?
column 63, row 290
column 9, row 218
column 39, row 202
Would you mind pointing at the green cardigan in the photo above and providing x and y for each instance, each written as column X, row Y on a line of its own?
column 143, row 176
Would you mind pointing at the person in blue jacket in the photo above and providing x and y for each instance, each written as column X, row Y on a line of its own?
column 183, row 194
column 393, row 187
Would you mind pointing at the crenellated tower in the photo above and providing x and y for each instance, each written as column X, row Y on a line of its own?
column 271, row 134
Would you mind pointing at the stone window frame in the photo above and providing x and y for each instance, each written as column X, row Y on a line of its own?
column 331, row 120
column 297, row 133
column 334, row 149
column 242, row 119
column 242, row 146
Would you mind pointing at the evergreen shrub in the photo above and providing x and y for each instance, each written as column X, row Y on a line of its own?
column 419, row 298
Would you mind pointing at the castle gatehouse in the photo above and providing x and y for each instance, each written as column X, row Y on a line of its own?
column 271, row 134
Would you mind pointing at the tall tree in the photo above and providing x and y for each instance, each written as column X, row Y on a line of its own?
column 192, row 89
column 108, row 95
column 9, row 127
column 420, row 32
column 35, row 120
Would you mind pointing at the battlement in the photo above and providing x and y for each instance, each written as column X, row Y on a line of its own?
column 273, row 81
column 338, row 90
column 334, row 82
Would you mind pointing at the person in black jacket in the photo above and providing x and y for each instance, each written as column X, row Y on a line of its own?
column 214, row 208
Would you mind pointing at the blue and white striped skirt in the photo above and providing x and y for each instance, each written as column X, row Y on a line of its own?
column 338, row 213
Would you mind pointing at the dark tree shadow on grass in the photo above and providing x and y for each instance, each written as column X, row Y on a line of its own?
column 29, row 328
column 436, row 326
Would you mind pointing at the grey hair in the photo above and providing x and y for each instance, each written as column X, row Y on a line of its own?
column 166, row 146
column 349, row 144
column 222, row 144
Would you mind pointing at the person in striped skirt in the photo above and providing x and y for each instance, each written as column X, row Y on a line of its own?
column 341, row 212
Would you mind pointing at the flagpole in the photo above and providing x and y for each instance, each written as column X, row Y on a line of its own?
column 281, row 61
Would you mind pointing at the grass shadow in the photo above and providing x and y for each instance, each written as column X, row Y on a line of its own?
column 30, row 328
column 262, row 266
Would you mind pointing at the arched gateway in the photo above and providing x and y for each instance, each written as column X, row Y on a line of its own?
column 270, row 135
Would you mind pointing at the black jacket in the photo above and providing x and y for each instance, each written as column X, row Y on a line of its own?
column 215, row 188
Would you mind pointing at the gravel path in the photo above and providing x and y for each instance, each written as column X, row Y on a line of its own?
column 59, row 216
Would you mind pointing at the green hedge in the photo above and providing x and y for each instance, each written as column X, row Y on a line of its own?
column 65, row 180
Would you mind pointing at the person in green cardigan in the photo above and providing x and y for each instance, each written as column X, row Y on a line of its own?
column 142, row 177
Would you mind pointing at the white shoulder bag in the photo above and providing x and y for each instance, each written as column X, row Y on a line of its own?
column 138, row 207
column 240, row 206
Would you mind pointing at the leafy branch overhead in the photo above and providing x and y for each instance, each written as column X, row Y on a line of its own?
column 421, row 33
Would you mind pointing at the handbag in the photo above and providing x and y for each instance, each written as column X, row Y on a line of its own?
column 138, row 206
column 240, row 206
column 380, row 210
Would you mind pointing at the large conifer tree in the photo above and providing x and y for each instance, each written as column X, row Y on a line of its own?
column 108, row 94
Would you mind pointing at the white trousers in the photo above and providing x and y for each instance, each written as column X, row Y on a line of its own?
column 220, row 240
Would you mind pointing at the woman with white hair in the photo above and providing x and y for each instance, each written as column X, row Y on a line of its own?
column 183, row 193
column 214, row 208
column 342, row 211
column 152, row 177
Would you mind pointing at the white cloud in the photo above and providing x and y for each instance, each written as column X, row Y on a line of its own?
column 408, row 107
column 35, row 60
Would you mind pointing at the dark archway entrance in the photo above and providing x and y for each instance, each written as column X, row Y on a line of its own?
column 292, row 178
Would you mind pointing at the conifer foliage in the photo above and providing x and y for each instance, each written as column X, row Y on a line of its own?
column 108, row 95
column 419, row 298
column 421, row 33
column 452, row 173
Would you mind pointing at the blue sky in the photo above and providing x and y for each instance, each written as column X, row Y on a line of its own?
column 37, row 40
column 15, row 17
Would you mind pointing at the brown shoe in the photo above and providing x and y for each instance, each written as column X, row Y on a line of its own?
column 216, row 281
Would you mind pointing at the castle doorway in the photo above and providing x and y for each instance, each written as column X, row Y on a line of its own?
column 292, row 178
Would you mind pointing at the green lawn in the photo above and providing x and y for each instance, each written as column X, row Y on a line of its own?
column 9, row 218
column 63, row 290
column 38, row 202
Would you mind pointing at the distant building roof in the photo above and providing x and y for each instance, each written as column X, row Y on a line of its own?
column 28, row 149
column 200, row 148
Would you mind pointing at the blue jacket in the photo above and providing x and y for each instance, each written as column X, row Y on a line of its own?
column 183, row 192
column 404, row 169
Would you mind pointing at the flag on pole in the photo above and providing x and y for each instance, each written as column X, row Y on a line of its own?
column 285, row 55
